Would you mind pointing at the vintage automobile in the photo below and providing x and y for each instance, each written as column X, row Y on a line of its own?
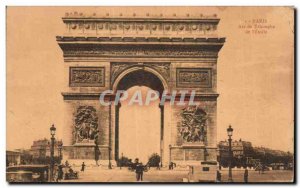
column 205, row 171
column 27, row 173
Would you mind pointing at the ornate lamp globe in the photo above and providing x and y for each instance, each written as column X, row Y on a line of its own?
column 52, row 130
column 229, row 131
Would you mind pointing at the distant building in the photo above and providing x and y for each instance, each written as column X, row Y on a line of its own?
column 278, row 166
column 240, row 148
column 13, row 157
column 41, row 148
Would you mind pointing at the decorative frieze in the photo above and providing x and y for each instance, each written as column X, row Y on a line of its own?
column 150, row 28
column 87, row 76
column 194, row 77
column 115, row 50
column 140, row 25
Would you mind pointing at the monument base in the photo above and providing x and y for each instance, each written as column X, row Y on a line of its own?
column 204, row 171
column 192, row 154
column 84, row 152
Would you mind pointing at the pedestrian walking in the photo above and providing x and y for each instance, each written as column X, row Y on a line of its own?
column 55, row 173
column 82, row 167
column 136, row 162
column 219, row 176
column 60, row 172
column 55, row 176
column 67, row 163
column 246, row 176
column 171, row 166
column 139, row 170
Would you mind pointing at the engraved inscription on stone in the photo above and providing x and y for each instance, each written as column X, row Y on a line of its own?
column 87, row 76
column 194, row 77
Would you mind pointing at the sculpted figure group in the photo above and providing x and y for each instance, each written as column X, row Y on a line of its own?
column 193, row 124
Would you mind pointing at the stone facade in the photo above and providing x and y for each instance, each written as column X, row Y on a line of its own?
column 105, row 53
column 41, row 148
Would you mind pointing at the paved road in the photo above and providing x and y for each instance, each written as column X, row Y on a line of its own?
column 254, row 176
column 98, row 174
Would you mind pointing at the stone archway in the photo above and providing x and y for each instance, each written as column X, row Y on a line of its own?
column 100, row 54
column 137, row 76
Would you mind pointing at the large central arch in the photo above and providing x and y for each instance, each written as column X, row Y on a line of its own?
column 138, row 76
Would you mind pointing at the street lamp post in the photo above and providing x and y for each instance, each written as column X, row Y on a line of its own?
column 60, row 145
column 52, row 132
column 121, row 161
column 109, row 160
column 170, row 148
column 229, row 133
column 109, row 140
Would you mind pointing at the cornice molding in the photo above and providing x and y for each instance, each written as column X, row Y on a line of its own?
column 138, row 47
column 76, row 23
column 95, row 96
column 142, row 40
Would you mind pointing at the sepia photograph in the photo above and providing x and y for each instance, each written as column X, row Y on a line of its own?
column 157, row 94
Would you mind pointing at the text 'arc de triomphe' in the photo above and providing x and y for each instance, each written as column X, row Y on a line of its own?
column 163, row 53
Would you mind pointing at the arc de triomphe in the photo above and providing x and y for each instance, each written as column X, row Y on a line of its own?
column 112, row 53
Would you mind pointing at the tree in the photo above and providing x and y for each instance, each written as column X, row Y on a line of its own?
column 154, row 160
column 124, row 161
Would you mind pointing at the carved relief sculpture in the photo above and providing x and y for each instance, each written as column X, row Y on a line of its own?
column 87, row 76
column 193, row 125
column 86, row 125
column 194, row 77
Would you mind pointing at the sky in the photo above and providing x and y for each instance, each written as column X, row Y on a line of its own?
column 255, row 72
